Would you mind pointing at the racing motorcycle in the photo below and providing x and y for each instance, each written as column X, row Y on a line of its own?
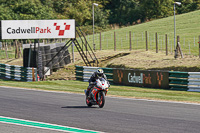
column 97, row 93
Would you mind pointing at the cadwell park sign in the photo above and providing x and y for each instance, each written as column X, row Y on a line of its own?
column 148, row 78
column 37, row 29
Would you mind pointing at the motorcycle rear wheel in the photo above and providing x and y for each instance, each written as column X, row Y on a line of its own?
column 101, row 99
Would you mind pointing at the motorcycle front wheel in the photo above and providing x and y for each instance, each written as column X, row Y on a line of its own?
column 101, row 99
column 89, row 104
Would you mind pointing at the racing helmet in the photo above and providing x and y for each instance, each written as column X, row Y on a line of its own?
column 99, row 72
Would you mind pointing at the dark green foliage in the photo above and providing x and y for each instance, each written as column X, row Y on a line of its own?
column 120, row 12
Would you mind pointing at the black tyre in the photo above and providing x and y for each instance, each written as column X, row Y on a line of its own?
column 101, row 99
column 89, row 104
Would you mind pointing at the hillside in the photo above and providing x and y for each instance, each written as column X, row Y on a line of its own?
column 187, row 27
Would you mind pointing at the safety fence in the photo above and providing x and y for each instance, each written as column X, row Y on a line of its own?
column 171, row 80
column 84, row 73
column 194, row 81
column 178, row 80
column 18, row 73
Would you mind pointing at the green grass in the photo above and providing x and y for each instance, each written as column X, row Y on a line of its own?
column 122, row 91
column 187, row 27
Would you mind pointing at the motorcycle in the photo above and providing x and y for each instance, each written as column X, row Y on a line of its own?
column 97, row 93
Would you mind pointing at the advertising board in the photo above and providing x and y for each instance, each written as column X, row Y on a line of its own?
column 37, row 29
column 151, row 79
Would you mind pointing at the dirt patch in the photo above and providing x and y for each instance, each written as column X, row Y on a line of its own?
column 150, row 60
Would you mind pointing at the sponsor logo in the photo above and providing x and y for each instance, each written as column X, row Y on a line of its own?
column 36, row 30
column 62, row 32
column 120, row 75
column 28, row 31
column 159, row 78
column 147, row 79
column 135, row 79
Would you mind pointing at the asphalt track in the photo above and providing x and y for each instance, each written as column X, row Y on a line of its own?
column 119, row 115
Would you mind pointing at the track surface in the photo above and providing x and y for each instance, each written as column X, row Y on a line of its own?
column 117, row 116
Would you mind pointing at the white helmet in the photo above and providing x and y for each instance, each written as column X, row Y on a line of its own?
column 99, row 72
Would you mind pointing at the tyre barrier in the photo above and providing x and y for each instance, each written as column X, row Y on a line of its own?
column 48, row 52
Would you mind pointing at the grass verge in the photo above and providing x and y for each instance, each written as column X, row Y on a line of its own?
column 121, row 91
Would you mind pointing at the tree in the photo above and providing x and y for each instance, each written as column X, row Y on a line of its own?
column 123, row 11
column 188, row 6
column 156, row 8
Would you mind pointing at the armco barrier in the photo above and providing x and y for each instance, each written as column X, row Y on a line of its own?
column 173, row 80
column 19, row 73
column 84, row 73
column 178, row 80
column 194, row 81
column 79, row 72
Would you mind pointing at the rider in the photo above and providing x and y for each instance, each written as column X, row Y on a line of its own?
column 98, row 74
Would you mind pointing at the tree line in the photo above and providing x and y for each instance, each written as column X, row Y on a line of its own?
column 119, row 12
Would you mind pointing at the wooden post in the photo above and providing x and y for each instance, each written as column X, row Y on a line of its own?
column 9, row 46
column 130, row 48
column 3, row 46
column 156, row 42
column 199, row 46
column 178, row 48
column 73, row 52
column 20, row 50
column 6, row 51
column 166, row 44
column 15, row 45
column 114, row 41
column 33, row 74
column 146, row 41
column 100, row 41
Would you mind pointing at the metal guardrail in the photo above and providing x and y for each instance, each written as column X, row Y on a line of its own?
column 178, row 80
column 184, row 81
column 84, row 73
column 194, row 81
column 19, row 73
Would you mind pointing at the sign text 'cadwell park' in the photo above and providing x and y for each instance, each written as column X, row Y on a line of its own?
column 36, row 29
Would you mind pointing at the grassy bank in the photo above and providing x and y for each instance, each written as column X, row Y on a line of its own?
column 186, row 27
column 122, row 91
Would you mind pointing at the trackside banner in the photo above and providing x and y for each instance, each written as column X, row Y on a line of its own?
column 141, row 78
column 36, row 29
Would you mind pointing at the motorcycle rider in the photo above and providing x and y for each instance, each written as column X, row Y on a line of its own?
column 98, row 74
